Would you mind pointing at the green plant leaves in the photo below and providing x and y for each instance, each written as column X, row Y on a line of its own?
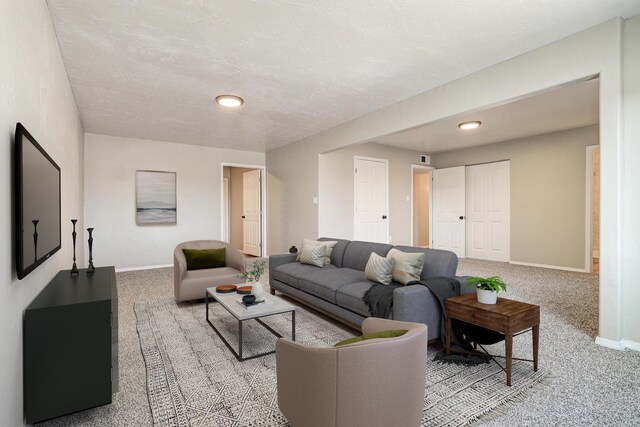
column 493, row 283
column 255, row 272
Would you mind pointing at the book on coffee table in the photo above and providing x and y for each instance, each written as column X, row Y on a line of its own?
column 262, row 303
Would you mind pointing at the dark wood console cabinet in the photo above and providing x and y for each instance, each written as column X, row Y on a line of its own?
column 71, row 345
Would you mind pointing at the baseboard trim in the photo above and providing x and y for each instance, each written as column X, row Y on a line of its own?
column 618, row 345
column 631, row 345
column 553, row 267
column 605, row 342
column 144, row 267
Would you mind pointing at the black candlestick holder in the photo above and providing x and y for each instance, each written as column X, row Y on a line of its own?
column 91, row 269
column 74, row 267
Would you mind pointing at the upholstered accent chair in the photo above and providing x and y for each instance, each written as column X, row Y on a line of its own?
column 377, row 382
column 191, row 284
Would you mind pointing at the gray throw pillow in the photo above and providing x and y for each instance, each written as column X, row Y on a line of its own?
column 379, row 269
column 408, row 265
column 312, row 255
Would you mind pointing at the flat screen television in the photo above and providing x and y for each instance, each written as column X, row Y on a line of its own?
column 37, row 203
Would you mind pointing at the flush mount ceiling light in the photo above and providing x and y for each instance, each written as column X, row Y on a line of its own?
column 469, row 125
column 229, row 101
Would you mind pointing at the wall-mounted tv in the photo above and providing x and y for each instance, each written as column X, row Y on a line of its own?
column 37, row 203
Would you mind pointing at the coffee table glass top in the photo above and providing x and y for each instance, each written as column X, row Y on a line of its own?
column 272, row 305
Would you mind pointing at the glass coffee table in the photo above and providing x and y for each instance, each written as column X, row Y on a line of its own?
column 273, row 305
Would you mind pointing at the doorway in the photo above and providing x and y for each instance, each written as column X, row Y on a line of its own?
column 471, row 210
column 488, row 207
column 448, row 186
column 421, row 205
column 593, row 210
column 371, row 199
column 243, row 208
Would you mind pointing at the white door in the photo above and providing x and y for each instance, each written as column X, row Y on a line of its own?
column 488, row 211
column 370, row 200
column 449, row 210
column 251, row 210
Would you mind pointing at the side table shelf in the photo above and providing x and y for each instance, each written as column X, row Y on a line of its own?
column 70, row 344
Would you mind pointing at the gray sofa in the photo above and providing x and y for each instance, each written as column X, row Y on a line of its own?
column 337, row 288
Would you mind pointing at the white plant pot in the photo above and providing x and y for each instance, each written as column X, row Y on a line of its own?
column 487, row 297
column 258, row 291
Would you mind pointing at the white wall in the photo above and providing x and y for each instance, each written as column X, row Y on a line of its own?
column 34, row 90
column 110, row 167
column 630, row 185
column 336, row 187
column 293, row 169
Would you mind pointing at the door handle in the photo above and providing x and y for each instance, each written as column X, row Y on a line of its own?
column 384, row 217
column 461, row 217
column 243, row 217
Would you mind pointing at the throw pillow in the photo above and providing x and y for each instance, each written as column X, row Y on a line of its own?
column 391, row 333
column 408, row 265
column 379, row 269
column 328, row 247
column 198, row 259
column 312, row 255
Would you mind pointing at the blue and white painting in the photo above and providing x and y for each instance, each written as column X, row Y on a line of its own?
column 155, row 197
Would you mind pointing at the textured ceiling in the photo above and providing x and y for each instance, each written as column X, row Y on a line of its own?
column 568, row 107
column 150, row 69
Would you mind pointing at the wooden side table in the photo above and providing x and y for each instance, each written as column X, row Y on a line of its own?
column 506, row 316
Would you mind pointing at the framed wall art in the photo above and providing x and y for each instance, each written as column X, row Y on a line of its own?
column 156, row 201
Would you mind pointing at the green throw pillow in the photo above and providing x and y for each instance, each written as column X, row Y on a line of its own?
column 198, row 259
column 391, row 333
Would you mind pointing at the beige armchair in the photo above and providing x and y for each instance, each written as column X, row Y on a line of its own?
column 373, row 383
column 190, row 285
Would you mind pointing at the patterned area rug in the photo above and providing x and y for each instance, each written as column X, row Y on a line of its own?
column 194, row 380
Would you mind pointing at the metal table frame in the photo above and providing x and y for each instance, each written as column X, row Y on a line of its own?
column 238, row 353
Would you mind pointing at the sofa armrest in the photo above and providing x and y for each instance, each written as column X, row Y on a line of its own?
column 276, row 260
column 234, row 259
column 179, row 265
column 412, row 303
column 307, row 382
column 464, row 289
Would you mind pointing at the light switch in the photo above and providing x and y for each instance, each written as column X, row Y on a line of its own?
column 315, row 200
column 408, row 198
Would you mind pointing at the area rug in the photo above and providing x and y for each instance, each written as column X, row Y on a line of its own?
column 194, row 380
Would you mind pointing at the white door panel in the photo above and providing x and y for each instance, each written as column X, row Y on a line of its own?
column 370, row 200
column 449, row 210
column 488, row 208
column 251, row 212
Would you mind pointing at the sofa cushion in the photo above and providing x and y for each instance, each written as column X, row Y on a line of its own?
column 199, row 259
column 350, row 296
column 195, row 282
column 324, row 284
column 338, row 250
column 291, row 273
column 437, row 263
column 357, row 253
column 379, row 269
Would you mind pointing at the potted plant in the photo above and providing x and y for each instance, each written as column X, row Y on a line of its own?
column 252, row 276
column 487, row 288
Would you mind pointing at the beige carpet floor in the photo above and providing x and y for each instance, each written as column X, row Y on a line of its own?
column 592, row 385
